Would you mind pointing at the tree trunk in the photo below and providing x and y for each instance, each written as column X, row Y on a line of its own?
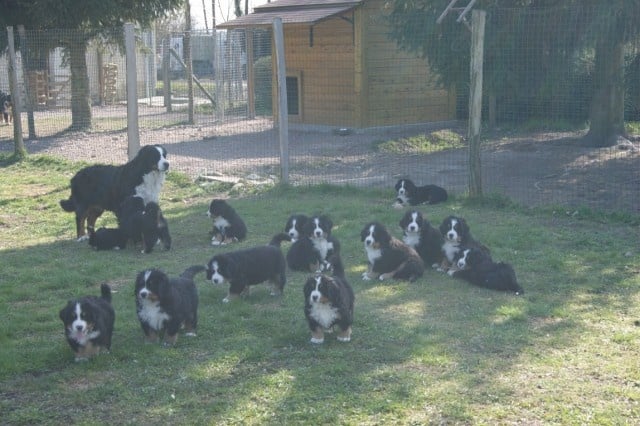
column 80, row 93
column 607, row 105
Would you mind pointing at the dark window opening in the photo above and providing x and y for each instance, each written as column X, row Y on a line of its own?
column 293, row 96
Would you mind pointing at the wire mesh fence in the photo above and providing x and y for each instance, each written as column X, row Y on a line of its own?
column 363, row 111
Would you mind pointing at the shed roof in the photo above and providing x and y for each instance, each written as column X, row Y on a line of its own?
column 292, row 12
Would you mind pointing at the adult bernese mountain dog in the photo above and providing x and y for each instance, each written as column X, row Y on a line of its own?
column 228, row 226
column 476, row 267
column 388, row 256
column 328, row 302
column 248, row 267
column 309, row 253
column 408, row 192
column 295, row 224
column 88, row 324
column 165, row 305
column 101, row 187
column 424, row 238
column 456, row 234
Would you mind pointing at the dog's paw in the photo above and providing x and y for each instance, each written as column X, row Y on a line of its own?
column 190, row 334
column 83, row 238
column 225, row 300
column 344, row 338
column 365, row 276
column 216, row 242
column 316, row 340
column 81, row 359
column 451, row 272
column 397, row 205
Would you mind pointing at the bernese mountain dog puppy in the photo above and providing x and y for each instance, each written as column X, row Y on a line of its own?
column 314, row 246
column 408, row 192
column 145, row 224
column 295, row 224
column 6, row 107
column 165, row 305
column 101, row 187
column 228, row 226
column 248, row 267
column 388, row 256
column 107, row 239
column 424, row 238
column 456, row 234
column 88, row 324
column 476, row 267
column 328, row 302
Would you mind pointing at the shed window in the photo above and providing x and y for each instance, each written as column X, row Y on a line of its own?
column 293, row 95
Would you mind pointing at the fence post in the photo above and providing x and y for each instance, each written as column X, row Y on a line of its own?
column 283, row 117
column 132, row 91
column 24, row 49
column 475, row 101
column 19, row 149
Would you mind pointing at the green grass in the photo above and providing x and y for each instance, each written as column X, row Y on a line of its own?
column 434, row 351
column 422, row 144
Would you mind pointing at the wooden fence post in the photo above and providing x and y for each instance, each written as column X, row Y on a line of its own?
column 478, row 18
column 19, row 149
column 133, row 133
column 283, row 109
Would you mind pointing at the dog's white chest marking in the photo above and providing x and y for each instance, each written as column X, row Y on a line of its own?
column 373, row 254
column 220, row 223
column 322, row 246
column 151, row 186
column 153, row 315
column 324, row 314
column 411, row 239
column 450, row 249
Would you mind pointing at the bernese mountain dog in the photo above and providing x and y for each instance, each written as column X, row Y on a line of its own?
column 314, row 246
column 408, row 192
column 476, row 267
column 248, row 267
column 295, row 224
column 145, row 224
column 388, row 256
column 456, row 235
column 6, row 107
column 328, row 302
column 165, row 305
column 101, row 187
column 88, row 324
column 107, row 239
column 424, row 238
column 228, row 226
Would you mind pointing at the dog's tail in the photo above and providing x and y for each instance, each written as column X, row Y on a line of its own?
column 105, row 292
column 278, row 238
column 68, row 205
column 191, row 271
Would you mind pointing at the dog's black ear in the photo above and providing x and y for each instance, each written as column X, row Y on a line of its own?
column 164, row 286
column 464, row 228
column 328, row 221
column 363, row 233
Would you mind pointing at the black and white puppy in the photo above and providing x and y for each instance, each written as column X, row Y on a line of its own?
column 476, row 267
column 107, row 239
column 164, row 305
column 6, row 108
column 101, row 187
column 295, row 224
column 312, row 249
column 328, row 302
column 248, row 267
column 155, row 228
column 424, row 238
column 408, row 192
column 228, row 226
column 88, row 324
column 144, row 224
column 388, row 256
column 456, row 234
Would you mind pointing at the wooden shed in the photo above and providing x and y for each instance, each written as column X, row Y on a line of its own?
column 344, row 71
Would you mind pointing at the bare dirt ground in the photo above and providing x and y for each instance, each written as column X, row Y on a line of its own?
column 533, row 169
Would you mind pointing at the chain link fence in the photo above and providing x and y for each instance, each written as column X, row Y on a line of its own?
column 536, row 108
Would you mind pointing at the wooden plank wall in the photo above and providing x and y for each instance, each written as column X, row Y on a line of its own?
column 354, row 76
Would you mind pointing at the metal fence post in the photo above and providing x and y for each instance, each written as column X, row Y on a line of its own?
column 132, row 91
column 283, row 118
